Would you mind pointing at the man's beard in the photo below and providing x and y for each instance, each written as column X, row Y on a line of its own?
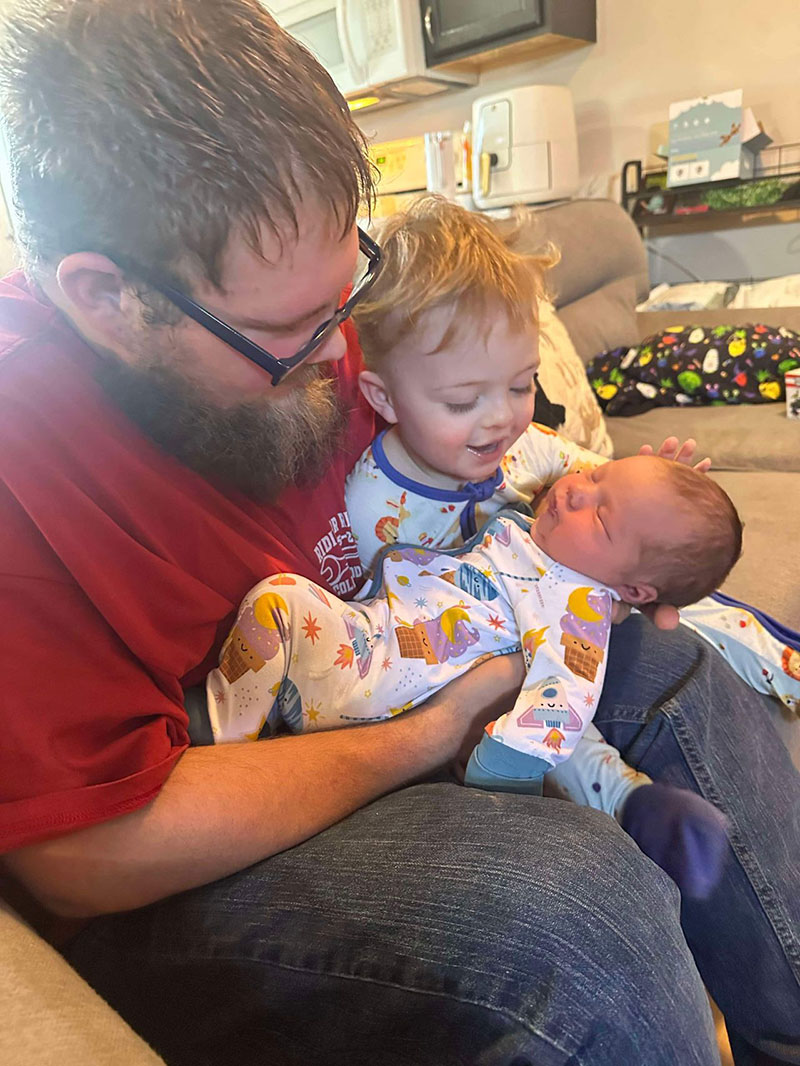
column 258, row 447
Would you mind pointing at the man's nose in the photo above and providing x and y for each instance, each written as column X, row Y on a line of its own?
column 331, row 351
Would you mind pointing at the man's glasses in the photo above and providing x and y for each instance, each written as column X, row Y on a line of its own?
column 279, row 368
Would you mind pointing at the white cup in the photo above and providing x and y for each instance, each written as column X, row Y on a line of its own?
column 440, row 163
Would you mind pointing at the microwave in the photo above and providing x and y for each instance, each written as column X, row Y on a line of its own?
column 373, row 49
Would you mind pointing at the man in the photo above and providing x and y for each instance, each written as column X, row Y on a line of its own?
column 184, row 179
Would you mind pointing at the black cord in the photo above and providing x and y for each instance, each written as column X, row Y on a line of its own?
column 673, row 262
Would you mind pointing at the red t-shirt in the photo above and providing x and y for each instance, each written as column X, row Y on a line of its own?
column 120, row 572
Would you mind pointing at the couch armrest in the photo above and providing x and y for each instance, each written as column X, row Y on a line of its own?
column 50, row 1015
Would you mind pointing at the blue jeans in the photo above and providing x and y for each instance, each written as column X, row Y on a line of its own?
column 676, row 711
column 443, row 925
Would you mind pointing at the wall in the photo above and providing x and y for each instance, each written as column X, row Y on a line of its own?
column 648, row 54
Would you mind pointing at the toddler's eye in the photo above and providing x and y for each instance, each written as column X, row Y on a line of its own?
column 461, row 408
column 524, row 390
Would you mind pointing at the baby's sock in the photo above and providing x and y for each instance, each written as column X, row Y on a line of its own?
column 680, row 831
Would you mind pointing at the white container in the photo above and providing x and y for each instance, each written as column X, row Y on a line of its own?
column 525, row 147
column 440, row 163
column 793, row 394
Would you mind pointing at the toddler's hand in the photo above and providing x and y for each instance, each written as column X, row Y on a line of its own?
column 680, row 831
column 679, row 453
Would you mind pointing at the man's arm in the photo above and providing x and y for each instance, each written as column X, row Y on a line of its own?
column 225, row 807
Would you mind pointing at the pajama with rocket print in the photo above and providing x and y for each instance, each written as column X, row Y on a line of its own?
column 299, row 658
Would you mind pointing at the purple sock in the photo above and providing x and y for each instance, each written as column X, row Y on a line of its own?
column 681, row 832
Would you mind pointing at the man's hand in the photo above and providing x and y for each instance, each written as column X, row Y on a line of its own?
column 678, row 453
column 662, row 615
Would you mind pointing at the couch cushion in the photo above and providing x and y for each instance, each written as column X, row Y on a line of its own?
column 760, row 437
column 603, row 320
column 769, row 505
column 50, row 1015
column 598, row 242
column 563, row 379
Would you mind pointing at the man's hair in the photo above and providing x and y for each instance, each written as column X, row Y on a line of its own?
column 686, row 572
column 149, row 130
column 437, row 254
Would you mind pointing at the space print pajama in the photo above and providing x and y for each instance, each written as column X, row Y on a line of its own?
column 298, row 657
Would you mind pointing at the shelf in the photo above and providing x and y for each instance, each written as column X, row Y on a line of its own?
column 542, row 47
column 771, row 195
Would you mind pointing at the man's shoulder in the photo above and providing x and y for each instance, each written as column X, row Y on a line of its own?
column 25, row 318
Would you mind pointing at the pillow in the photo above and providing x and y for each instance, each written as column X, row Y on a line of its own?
column 693, row 366
column 774, row 292
column 602, row 320
column 697, row 296
column 563, row 377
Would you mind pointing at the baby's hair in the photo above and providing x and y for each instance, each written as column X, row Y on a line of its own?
column 686, row 572
column 437, row 254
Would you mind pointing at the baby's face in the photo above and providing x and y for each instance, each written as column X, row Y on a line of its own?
column 598, row 522
column 460, row 409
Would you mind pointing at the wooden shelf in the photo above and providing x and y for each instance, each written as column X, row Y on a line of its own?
column 541, row 47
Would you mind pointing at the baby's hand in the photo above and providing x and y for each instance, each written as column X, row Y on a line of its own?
column 679, row 453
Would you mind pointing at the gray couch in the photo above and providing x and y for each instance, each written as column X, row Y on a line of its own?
column 755, row 450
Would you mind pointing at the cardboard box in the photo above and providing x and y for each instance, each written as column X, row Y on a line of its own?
column 712, row 138
column 793, row 394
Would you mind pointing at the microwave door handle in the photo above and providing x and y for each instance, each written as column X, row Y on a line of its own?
column 428, row 23
column 357, row 70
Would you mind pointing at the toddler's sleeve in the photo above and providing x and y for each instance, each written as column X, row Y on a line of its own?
column 541, row 456
column 363, row 493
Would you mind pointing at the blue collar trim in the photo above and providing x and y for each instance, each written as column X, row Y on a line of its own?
column 431, row 492
column 472, row 493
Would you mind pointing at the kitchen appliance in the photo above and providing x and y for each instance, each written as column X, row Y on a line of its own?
column 525, row 147
column 403, row 174
column 373, row 49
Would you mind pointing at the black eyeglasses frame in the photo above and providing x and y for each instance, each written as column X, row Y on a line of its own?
column 275, row 367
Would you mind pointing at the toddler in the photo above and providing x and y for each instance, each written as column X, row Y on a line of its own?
column 299, row 657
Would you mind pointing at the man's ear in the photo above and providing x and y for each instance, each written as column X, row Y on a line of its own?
column 637, row 595
column 376, row 393
column 93, row 286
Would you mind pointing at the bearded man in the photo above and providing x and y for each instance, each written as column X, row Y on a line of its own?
column 178, row 412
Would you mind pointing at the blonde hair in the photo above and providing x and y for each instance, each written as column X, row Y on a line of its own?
column 437, row 254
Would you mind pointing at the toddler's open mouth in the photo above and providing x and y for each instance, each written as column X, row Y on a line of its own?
column 487, row 451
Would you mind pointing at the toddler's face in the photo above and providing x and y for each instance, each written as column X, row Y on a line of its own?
column 598, row 521
column 460, row 409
